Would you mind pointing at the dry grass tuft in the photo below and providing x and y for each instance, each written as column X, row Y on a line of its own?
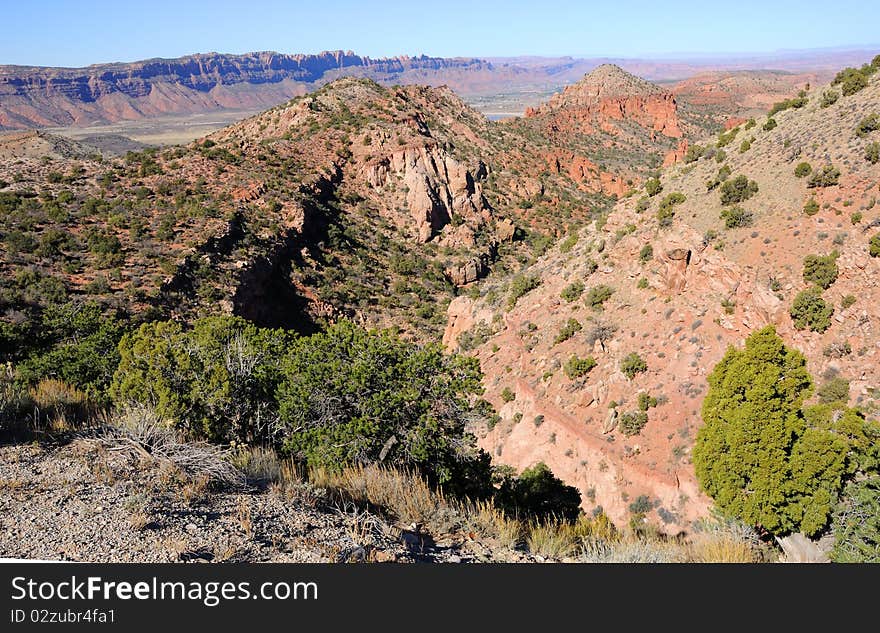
column 260, row 465
column 139, row 430
column 725, row 541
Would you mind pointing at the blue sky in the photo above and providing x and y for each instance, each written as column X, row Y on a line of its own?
column 77, row 33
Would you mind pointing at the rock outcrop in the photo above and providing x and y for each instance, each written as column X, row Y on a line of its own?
column 609, row 95
column 437, row 186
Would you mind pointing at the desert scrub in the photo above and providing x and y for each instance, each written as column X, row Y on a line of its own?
column 507, row 395
column 653, row 187
column 572, row 291
column 646, row 254
column 738, row 190
column 736, row 217
column 598, row 295
column 571, row 327
column 809, row 311
column 872, row 153
column 576, row 367
column 829, row 98
column 646, row 401
column 867, row 125
column 821, row 270
column 803, row 170
column 828, row 176
column 568, row 243
column 519, row 286
column 633, row 364
column 632, row 422
column 666, row 210
column 811, row 207
column 874, row 246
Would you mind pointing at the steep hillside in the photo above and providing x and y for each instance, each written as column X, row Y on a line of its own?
column 675, row 278
column 355, row 199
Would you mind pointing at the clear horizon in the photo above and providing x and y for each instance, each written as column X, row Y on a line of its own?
column 57, row 33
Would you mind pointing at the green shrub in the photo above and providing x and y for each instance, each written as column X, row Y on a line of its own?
column 653, row 187
column 723, row 174
column 215, row 380
column 538, row 495
column 75, row 343
column 576, row 367
column 632, row 422
column 598, row 295
column 666, row 210
column 646, row 254
column 856, row 217
column 872, row 153
column 633, row 364
column 829, row 98
column 720, row 156
column 572, row 291
column 847, row 301
column 642, row 205
column 755, row 454
column 821, row 270
column 507, row 395
column 568, row 243
column 726, row 138
column 828, row 176
column 736, row 217
column 770, row 125
column 868, row 125
column 809, row 311
column 694, row 153
column 874, row 246
column 590, row 267
column 745, row 146
column 571, row 327
column 797, row 102
column 834, row 390
column 738, row 190
column 519, row 286
column 811, row 207
column 856, row 522
column 802, row 170
column 851, row 81
column 646, row 401
column 355, row 396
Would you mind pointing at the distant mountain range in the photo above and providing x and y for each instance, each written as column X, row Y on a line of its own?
column 105, row 93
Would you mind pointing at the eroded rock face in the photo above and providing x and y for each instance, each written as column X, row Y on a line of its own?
column 677, row 261
column 437, row 186
column 469, row 272
column 586, row 173
column 677, row 155
column 33, row 97
column 609, row 95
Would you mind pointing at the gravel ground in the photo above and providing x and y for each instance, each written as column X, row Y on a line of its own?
column 81, row 502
